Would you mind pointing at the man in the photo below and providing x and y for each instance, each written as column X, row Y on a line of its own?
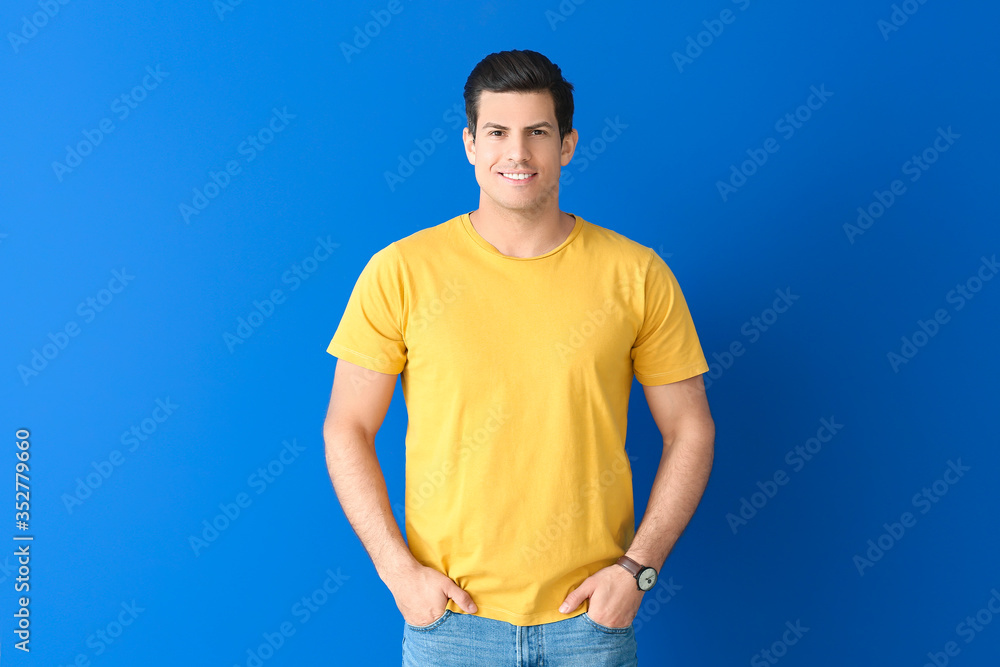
column 517, row 329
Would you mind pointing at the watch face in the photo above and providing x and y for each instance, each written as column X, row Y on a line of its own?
column 647, row 578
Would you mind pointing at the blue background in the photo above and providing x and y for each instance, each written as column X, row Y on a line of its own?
column 322, row 178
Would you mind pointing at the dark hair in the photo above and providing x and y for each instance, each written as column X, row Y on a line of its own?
column 519, row 71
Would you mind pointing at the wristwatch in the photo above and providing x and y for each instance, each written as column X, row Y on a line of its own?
column 645, row 576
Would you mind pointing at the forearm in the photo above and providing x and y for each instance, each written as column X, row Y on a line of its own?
column 360, row 487
column 677, row 489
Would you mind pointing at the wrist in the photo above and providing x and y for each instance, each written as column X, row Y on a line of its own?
column 401, row 567
column 624, row 577
column 645, row 558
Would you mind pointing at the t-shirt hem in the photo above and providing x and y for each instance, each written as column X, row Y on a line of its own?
column 363, row 360
column 517, row 619
column 676, row 375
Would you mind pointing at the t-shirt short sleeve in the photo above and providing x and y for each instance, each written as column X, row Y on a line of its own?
column 667, row 348
column 370, row 330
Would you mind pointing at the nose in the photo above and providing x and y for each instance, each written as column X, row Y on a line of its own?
column 517, row 149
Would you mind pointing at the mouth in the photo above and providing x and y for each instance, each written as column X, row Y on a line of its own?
column 518, row 178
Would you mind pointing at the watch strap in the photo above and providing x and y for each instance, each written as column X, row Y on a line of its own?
column 630, row 565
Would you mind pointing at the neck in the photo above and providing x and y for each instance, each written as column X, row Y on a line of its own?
column 522, row 233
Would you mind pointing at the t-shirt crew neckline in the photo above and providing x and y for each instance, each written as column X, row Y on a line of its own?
column 488, row 247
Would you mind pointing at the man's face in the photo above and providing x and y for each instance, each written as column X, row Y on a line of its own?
column 517, row 152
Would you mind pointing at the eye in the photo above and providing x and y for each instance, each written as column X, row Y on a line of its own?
column 492, row 131
column 541, row 131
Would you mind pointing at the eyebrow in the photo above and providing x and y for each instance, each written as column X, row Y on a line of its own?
column 527, row 127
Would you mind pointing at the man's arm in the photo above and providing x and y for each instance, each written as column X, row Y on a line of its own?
column 680, row 410
column 358, row 403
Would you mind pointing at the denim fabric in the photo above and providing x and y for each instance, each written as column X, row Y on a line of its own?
column 465, row 640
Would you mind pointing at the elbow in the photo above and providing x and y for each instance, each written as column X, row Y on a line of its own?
column 695, row 433
column 696, row 440
column 340, row 436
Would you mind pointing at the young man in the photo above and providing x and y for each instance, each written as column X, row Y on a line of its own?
column 517, row 328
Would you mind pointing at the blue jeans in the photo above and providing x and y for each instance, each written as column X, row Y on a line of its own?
column 465, row 640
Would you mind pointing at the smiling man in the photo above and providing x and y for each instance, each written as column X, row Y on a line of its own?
column 516, row 329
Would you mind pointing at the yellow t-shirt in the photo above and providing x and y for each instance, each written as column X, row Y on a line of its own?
column 516, row 374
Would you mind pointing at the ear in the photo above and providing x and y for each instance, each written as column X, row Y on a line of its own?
column 470, row 145
column 568, row 147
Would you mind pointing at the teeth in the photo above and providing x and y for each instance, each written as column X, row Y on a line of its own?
column 517, row 177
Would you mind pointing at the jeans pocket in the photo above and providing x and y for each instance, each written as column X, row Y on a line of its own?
column 605, row 628
column 433, row 624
